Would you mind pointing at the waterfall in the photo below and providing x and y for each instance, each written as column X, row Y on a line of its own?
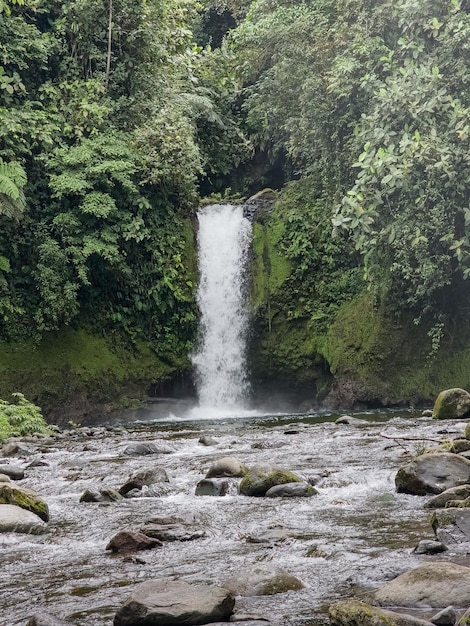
column 220, row 360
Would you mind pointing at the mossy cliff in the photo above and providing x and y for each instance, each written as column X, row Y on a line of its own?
column 321, row 337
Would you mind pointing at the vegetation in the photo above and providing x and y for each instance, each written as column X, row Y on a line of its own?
column 20, row 417
column 116, row 117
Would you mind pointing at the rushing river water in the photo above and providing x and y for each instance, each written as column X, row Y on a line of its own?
column 351, row 538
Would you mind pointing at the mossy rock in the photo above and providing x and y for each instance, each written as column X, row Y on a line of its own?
column 261, row 478
column 25, row 499
column 452, row 404
column 356, row 613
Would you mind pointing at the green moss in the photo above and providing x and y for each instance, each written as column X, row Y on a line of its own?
column 72, row 370
column 30, row 502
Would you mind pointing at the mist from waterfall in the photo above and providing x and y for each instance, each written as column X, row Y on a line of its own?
column 219, row 361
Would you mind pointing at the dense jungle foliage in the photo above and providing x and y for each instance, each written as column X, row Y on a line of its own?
column 116, row 117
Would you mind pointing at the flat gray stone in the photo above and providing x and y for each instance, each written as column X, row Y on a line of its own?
column 15, row 519
column 433, row 473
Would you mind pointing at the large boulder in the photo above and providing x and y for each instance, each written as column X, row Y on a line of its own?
column 454, row 493
column 262, row 580
column 14, row 519
column 452, row 525
column 356, row 613
column 432, row 473
column 227, row 467
column 13, row 471
column 432, row 585
column 452, row 404
column 144, row 478
column 212, row 487
column 174, row 603
column 24, row 498
column 261, row 478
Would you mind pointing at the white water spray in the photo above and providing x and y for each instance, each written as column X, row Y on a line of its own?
column 220, row 360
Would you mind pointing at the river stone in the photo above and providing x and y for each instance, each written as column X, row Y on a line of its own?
column 454, row 493
column 456, row 446
column 229, row 467
column 205, row 440
column 451, row 526
column 452, row 404
column 143, row 449
column 146, row 477
column 24, row 498
column 174, row 603
column 432, row 473
column 292, row 490
column 446, row 617
column 261, row 478
column 431, row 585
column 14, row 519
column 429, row 546
column 100, row 495
column 129, row 541
column 356, row 613
column 171, row 530
column 212, row 487
column 262, row 580
column 4, row 478
column 13, row 471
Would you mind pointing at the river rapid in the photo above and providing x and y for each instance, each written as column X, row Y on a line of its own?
column 350, row 539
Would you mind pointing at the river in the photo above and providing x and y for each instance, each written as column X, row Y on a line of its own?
column 351, row 538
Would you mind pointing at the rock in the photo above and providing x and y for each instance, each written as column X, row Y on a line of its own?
column 356, row 613
column 431, row 585
column 14, row 519
column 292, row 490
column 212, row 487
column 458, row 445
column 129, row 541
column 454, row 493
column 451, row 526
column 432, row 473
column 4, row 478
column 146, row 477
column 14, row 449
column 228, row 466
column 24, row 498
column 261, row 478
column 171, row 530
column 208, row 441
column 262, row 580
column 429, row 546
column 143, row 449
column 43, row 619
column 269, row 444
column 467, row 431
column 100, row 495
column 13, row 471
column 427, row 413
column 452, row 404
column 446, row 617
column 167, row 603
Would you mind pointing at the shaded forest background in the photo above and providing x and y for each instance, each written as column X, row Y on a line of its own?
column 117, row 117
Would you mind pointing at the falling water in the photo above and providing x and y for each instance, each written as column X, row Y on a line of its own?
column 220, row 360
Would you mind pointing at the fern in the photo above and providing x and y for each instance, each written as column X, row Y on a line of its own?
column 12, row 198
column 20, row 418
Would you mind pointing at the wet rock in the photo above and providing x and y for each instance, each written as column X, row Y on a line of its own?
column 143, row 449
column 292, row 490
column 431, row 585
column 12, row 448
column 15, row 519
column 262, row 580
column 164, row 602
column 427, row 413
column 4, row 478
column 171, row 530
column 100, row 495
column 157, row 490
column 13, row 471
column 208, row 441
column 129, row 541
column 429, row 546
column 446, row 617
column 432, row 473
column 454, row 493
column 146, row 477
column 260, row 479
column 451, row 526
column 212, row 487
column 456, row 446
column 38, row 463
column 272, row 536
column 354, row 612
column 452, row 404
column 228, row 466
column 24, row 498
column 43, row 619
column 269, row 444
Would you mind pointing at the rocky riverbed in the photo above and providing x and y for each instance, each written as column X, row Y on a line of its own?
column 345, row 538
